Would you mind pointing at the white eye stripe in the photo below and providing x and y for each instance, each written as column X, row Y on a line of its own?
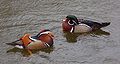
column 47, row 32
column 74, row 22
column 70, row 23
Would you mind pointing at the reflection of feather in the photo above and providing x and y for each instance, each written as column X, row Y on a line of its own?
column 72, row 37
column 27, row 53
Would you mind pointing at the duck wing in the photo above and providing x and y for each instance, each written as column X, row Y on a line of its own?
column 95, row 25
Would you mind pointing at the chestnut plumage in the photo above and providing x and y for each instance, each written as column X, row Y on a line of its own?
column 43, row 39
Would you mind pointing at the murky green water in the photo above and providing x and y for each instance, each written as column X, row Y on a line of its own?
column 18, row 17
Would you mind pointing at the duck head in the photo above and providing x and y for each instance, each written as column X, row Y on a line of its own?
column 69, row 22
column 46, row 36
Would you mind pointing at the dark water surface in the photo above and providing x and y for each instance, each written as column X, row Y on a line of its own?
column 18, row 17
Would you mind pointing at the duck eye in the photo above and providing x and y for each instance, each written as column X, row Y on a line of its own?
column 70, row 22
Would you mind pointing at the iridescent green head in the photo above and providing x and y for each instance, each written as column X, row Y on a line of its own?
column 73, row 19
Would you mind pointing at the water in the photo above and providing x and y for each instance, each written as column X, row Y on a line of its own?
column 18, row 17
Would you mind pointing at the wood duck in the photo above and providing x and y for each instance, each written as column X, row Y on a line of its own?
column 74, row 25
column 43, row 39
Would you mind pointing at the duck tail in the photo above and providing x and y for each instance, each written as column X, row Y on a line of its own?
column 104, row 24
column 14, row 43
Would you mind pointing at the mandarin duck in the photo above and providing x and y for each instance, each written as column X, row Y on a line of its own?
column 74, row 25
column 43, row 39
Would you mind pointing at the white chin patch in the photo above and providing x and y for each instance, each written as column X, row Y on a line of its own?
column 18, row 46
column 64, row 20
column 71, row 29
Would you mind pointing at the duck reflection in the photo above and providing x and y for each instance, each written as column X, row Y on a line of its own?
column 72, row 37
column 27, row 53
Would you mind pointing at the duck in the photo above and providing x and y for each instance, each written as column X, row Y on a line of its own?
column 74, row 25
column 43, row 39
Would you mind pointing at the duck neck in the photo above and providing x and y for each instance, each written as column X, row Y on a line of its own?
column 67, row 27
